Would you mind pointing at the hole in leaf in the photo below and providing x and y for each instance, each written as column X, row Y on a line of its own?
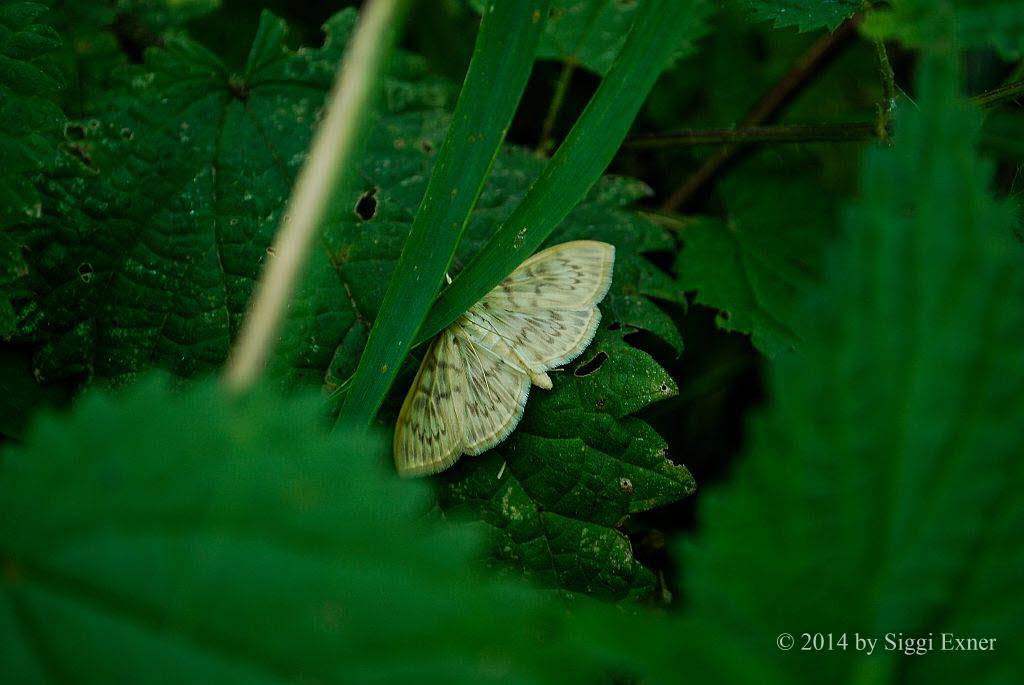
column 74, row 132
column 591, row 366
column 238, row 87
column 85, row 272
column 724, row 315
column 366, row 207
column 426, row 147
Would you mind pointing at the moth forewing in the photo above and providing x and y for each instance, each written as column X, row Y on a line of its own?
column 427, row 435
column 572, row 275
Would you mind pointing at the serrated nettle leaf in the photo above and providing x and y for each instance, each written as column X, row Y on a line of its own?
column 103, row 36
column 997, row 24
column 755, row 265
column 186, row 174
column 591, row 32
column 159, row 221
column 30, row 85
column 171, row 554
column 881, row 486
column 806, row 15
column 587, row 32
column 576, row 467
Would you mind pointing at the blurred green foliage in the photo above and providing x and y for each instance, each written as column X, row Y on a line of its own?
column 249, row 548
column 870, row 484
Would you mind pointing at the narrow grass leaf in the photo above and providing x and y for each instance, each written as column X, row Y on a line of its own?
column 501, row 64
column 659, row 28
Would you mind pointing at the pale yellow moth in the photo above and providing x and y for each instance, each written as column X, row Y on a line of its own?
column 471, row 388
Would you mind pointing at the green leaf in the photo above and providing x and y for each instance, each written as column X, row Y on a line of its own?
column 881, row 489
column 103, row 36
column 156, row 227
column 995, row 24
column 755, row 265
column 30, row 84
column 556, row 493
column 805, row 15
column 182, row 532
column 588, row 32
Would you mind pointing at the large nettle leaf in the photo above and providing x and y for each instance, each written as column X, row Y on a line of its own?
column 100, row 36
column 755, row 265
column 30, row 84
column 248, row 548
column 881, row 494
column 157, row 226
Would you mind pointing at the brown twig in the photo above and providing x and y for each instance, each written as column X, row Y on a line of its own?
column 790, row 133
column 799, row 75
column 993, row 97
column 547, row 138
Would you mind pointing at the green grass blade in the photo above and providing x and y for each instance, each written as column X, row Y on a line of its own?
column 660, row 28
column 500, row 67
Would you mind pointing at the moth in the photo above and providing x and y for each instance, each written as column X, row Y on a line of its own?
column 471, row 388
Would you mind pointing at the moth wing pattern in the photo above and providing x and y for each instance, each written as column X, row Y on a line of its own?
column 569, row 276
column 495, row 392
column 546, row 310
column 545, row 339
column 428, row 434
column 471, row 388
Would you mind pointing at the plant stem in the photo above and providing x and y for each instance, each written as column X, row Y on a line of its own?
column 991, row 98
column 889, row 91
column 547, row 141
column 799, row 75
column 795, row 133
column 803, row 133
column 330, row 153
